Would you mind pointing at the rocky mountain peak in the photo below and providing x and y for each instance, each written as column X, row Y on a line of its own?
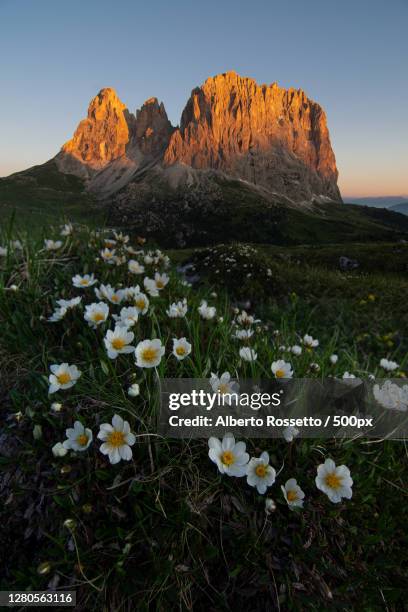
column 274, row 138
column 152, row 128
column 264, row 134
column 104, row 134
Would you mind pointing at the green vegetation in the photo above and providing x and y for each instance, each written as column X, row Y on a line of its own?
column 166, row 530
column 43, row 195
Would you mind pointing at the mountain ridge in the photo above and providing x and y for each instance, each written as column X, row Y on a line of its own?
column 262, row 134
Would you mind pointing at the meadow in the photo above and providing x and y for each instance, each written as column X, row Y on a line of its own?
column 136, row 521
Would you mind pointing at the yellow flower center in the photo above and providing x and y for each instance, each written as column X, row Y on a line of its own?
column 180, row 350
column 115, row 298
column 333, row 481
column 261, row 470
column 98, row 316
column 291, row 496
column 84, row 282
column 118, row 343
column 116, row 439
column 108, row 254
column 223, row 388
column 280, row 373
column 149, row 354
column 82, row 440
column 159, row 284
column 227, row 457
column 64, row 378
column 140, row 304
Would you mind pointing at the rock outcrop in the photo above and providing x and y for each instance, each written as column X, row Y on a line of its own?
column 270, row 137
column 112, row 140
column 264, row 134
column 152, row 128
column 104, row 134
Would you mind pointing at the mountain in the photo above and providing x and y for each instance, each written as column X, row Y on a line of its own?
column 377, row 202
column 262, row 134
column 402, row 208
column 247, row 161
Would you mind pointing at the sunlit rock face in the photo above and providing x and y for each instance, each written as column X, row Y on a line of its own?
column 264, row 134
column 268, row 136
column 104, row 134
column 111, row 144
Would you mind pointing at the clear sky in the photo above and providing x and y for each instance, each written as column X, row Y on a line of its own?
column 351, row 56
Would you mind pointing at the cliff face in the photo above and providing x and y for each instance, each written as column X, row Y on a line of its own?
column 111, row 133
column 104, row 134
column 274, row 138
column 264, row 134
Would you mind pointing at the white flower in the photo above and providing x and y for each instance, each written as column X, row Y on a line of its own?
column 108, row 255
column 52, row 245
column 117, row 440
column 150, row 286
column 309, row 341
column 110, row 243
column 207, row 312
column 16, row 244
column 59, row 450
column 67, row 229
column 3, row 251
column 63, row 376
column 333, row 359
column 123, row 238
column 347, row 375
column 153, row 286
column 248, row 354
column 106, row 292
column 181, row 348
column 243, row 334
column 96, row 314
column 270, row 505
column 282, row 369
column 118, row 341
column 57, row 315
column 245, row 319
column 87, row 280
column 296, row 350
column 290, row 433
column 260, row 474
column 149, row 353
column 293, row 494
column 392, row 396
column 161, row 280
column 334, row 481
column 225, row 386
column 141, row 302
column 119, row 261
column 56, row 407
column 70, row 303
column 78, row 438
column 134, row 390
column 135, row 267
column 389, row 366
column 177, row 310
column 128, row 316
column 230, row 457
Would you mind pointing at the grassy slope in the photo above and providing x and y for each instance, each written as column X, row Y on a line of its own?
column 168, row 529
column 41, row 195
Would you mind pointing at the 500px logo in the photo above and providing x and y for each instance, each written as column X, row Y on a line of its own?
column 207, row 401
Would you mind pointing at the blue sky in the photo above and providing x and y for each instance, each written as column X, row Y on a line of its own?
column 350, row 56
